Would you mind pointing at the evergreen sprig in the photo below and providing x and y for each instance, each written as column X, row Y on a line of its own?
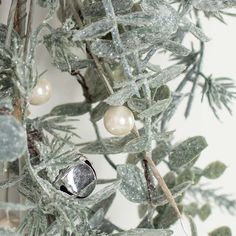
column 118, row 40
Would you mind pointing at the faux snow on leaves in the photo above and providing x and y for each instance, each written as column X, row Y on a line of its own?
column 213, row 5
column 187, row 151
column 133, row 185
column 146, row 232
column 12, row 139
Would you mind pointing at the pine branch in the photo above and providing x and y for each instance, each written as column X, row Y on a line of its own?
column 224, row 201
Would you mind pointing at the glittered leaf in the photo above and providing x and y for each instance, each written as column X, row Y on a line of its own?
column 213, row 5
column 133, row 185
column 94, row 30
column 96, row 220
column 99, row 111
column 166, row 75
column 196, row 31
column 101, row 195
column 222, row 231
column 135, row 19
column 187, row 151
column 176, row 191
column 121, row 96
column 96, row 8
column 175, row 48
column 136, row 145
column 160, row 152
column 12, row 139
column 96, row 87
column 146, row 232
column 167, row 218
column 155, row 109
column 15, row 39
column 138, row 104
column 214, row 170
column 112, row 145
column 71, row 109
column 204, row 212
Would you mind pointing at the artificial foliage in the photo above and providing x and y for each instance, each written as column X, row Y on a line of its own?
column 116, row 40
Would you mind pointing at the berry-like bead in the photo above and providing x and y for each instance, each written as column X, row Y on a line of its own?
column 41, row 93
column 119, row 120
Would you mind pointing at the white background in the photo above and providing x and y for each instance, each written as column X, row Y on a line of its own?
column 221, row 136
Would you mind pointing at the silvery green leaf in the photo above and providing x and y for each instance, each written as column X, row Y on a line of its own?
column 145, row 232
column 121, row 96
column 72, row 64
column 96, row 8
column 155, row 109
column 133, row 184
column 186, row 175
column 99, row 111
column 16, row 43
column 104, row 48
column 192, row 226
column 101, row 195
column 176, row 191
column 187, row 151
column 15, row 206
column 166, row 17
column 204, row 212
column 105, row 204
column 136, row 145
column 138, row 104
column 140, row 78
column 94, row 30
column 46, row 3
column 160, row 152
column 168, row 217
column 12, row 139
column 221, row 231
column 213, row 5
column 214, row 170
column 135, row 19
column 8, row 232
column 5, row 58
column 112, row 145
column 175, row 48
column 166, row 75
column 96, row 88
column 165, row 136
column 97, row 219
column 70, row 109
column 161, row 93
column 196, row 31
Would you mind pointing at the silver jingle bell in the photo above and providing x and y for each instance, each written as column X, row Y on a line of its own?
column 79, row 180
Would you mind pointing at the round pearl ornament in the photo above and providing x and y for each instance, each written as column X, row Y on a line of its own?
column 119, row 120
column 41, row 93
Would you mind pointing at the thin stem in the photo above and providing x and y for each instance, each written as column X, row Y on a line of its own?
column 10, row 22
column 195, row 82
column 20, row 18
column 29, row 28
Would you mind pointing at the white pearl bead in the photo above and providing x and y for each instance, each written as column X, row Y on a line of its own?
column 41, row 93
column 119, row 120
